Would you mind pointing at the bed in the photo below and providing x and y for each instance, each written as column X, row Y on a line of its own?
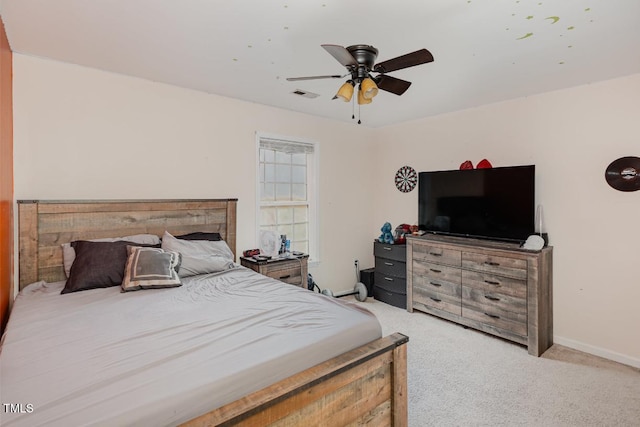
column 319, row 373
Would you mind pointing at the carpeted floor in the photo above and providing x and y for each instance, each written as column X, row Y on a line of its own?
column 462, row 377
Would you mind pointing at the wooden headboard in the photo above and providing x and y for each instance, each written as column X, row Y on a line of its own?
column 43, row 225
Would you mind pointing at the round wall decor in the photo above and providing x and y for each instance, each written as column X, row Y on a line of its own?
column 406, row 179
column 623, row 174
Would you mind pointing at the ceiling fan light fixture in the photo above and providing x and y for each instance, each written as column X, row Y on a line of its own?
column 361, row 99
column 368, row 88
column 345, row 92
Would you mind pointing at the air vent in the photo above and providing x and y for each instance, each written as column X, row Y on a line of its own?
column 305, row 94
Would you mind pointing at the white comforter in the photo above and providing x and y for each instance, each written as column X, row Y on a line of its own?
column 164, row 356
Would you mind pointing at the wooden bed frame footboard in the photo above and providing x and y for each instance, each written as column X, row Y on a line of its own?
column 365, row 386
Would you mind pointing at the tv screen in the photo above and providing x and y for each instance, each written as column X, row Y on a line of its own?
column 496, row 203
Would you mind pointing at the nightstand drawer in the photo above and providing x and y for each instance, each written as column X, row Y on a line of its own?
column 393, row 293
column 390, row 282
column 391, row 267
column 293, row 271
column 395, row 252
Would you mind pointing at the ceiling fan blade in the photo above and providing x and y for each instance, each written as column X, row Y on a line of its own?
column 295, row 79
column 391, row 84
column 418, row 57
column 341, row 54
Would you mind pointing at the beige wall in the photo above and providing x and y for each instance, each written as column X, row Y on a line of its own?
column 86, row 134
column 571, row 136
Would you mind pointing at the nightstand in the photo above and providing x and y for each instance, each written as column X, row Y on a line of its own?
column 390, row 278
column 289, row 270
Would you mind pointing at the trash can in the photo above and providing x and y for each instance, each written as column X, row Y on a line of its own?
column 366, row 277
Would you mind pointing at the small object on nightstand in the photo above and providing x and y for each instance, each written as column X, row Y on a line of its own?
column 251, row 252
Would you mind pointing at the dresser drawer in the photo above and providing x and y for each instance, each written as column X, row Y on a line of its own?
column 493, row 283
column 437, row 300
column 432, row 284
column 436, row 254
column 502, row 266
column 499, row 310
column 495, row 320
column 395, row 252
column 391, row 267
column 436, row 272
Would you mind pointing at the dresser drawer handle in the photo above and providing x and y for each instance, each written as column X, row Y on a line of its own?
column 493, row 316
column 492, row 264
column 436, row 299
column 436, row 284
column 434, row 254
column 285, row 277
column 388, row 263
column 435, row 271
column 492, row 298
column 388, row 279
column 492, row 282
column 386, row 248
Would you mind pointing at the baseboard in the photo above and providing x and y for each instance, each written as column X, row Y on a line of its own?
column 597, row 351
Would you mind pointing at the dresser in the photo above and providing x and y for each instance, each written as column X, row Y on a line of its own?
column 390, row 276
column 494, row 287
column 288, row 270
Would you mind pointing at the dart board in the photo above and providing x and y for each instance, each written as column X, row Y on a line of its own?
column 406, row 179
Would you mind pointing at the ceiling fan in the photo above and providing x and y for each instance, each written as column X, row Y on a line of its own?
column 359, row 60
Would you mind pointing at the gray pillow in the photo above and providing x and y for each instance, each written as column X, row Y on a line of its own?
column 149, row 268
column 199, row 256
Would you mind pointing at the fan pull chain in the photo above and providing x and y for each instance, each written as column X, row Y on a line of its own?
column 359, row 122
column 353, row 107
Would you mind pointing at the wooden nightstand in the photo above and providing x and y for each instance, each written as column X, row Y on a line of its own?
column 288, row 270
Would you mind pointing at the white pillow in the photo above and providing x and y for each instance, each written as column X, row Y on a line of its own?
column 69, row 254
column 199, row 256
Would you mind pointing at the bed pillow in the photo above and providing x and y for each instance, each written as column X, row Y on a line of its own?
column 96, row 265
column 199, row 235
column 199, row 256
column 149, row 268
column 69, row 253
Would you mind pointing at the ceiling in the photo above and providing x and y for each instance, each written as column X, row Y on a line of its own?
column 485, row 51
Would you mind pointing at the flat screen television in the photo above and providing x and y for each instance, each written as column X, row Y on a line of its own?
column 495, row 203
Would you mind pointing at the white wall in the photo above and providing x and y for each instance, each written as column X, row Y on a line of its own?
column 85, row 134
column 571, row 136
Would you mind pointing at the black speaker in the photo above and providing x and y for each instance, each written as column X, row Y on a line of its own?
column 366, row 277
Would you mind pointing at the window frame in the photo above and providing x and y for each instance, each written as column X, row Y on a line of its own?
column 313, row 192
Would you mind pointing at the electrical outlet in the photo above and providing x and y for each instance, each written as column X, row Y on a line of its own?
column 356, row 262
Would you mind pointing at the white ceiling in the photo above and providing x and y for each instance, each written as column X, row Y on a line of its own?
column 485, row 50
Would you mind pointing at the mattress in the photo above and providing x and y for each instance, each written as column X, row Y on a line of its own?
column 164, row 356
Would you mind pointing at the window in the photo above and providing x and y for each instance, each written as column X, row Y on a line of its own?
column 287, row 191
